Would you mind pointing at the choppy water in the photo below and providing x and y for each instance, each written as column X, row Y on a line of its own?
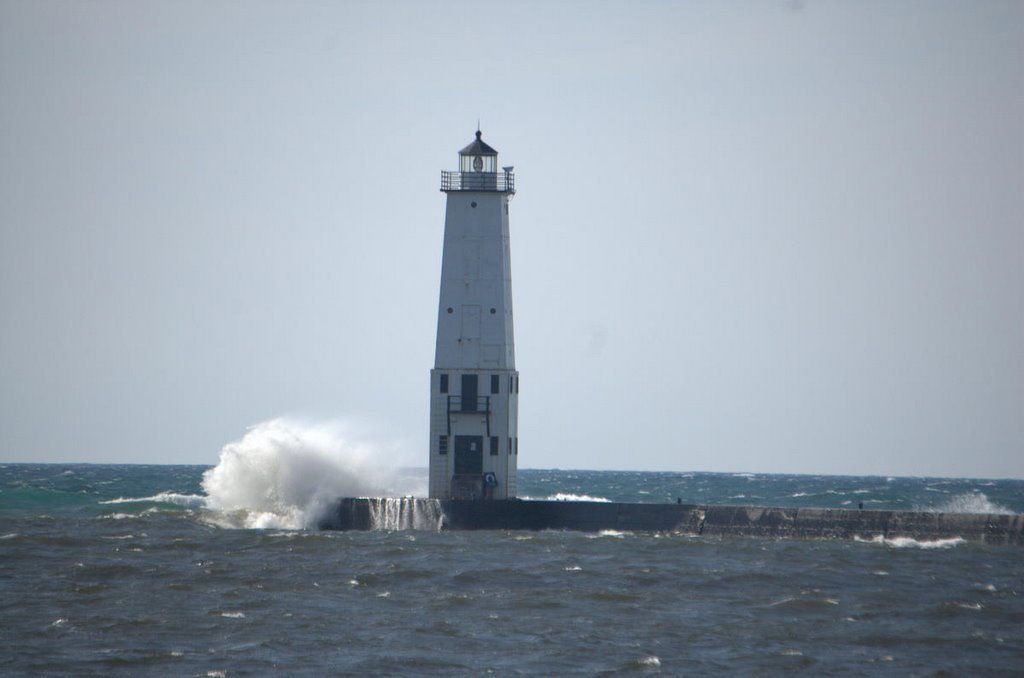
column 132, row 570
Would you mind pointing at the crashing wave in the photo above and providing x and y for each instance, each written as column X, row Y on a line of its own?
column 285, row 474
column 969, row 502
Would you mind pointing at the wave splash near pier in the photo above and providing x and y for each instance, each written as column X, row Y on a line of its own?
column 286, row 473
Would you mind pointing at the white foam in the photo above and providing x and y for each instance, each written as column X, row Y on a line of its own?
column 285, row 473
column 566, row 496
column 618, row 534
column 189, row 500
column 909, row 542
column 405, row 513
column 119, row 516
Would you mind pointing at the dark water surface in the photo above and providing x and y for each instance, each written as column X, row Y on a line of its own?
column 159, row 586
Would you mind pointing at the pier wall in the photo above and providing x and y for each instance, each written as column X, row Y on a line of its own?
column 750, row 521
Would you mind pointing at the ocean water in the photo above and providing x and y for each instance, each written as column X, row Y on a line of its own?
column 199, row 571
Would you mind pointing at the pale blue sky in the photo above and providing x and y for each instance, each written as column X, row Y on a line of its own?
column 748, row 236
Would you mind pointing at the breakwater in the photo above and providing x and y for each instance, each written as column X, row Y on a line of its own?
column 748, row 521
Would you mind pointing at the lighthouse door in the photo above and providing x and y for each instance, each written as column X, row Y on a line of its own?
column 469, row 455
column 469, row 466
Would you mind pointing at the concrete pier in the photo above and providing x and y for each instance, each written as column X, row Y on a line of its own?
column 690, row 519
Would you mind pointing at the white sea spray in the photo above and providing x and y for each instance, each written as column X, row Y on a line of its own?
column 567, row 496
column 968, row 502
column 285, row 473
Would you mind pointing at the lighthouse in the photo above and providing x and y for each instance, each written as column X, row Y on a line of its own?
column 474, row 386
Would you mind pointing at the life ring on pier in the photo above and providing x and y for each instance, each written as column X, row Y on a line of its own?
column 490, row 480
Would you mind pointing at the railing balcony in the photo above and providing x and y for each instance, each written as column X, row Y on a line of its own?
column 477, row 405
column 481, row 404
column 499, row 182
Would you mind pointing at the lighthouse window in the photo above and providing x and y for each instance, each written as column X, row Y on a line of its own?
column 494, row 446
column 442, row 444
column 515, row 444
column 472, row 204
column 450, row 309
column 443, row 383
column 517, row 384
column 494, row 383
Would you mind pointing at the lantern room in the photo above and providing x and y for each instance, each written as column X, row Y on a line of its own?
column 478, row 157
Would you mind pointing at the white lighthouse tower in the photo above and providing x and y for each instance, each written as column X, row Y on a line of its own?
column 474, row 386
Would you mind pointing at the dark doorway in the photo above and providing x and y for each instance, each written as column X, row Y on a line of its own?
column 469, row 455
column 469, row 383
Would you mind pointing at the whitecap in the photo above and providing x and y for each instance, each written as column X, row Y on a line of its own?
column 969, row 606
column 573, row 568
column 233, row 615
column 118, row 516
column 910, row 542
column 612, row 533
column 187, row 500
column 650, row 660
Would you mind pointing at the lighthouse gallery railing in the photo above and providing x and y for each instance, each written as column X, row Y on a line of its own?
column 500, row 182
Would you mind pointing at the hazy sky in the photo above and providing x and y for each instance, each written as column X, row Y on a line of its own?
column 748, row 236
